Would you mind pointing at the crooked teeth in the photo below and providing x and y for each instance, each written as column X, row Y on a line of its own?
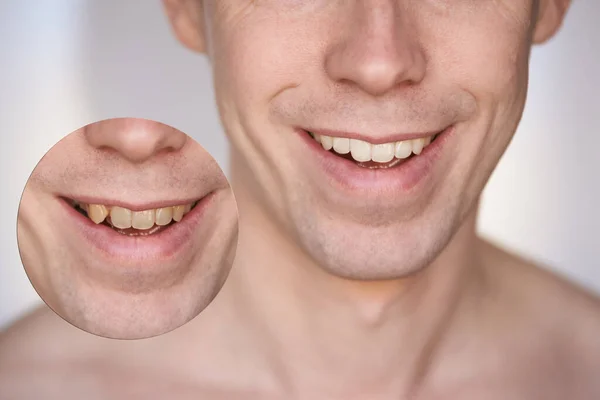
column 362, row 151
column 123, row 218
column 97, row 213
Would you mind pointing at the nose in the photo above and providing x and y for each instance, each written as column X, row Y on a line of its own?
column 136, row 140
column 377, row 51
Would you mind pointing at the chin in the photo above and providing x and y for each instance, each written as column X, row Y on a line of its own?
column 355, row 251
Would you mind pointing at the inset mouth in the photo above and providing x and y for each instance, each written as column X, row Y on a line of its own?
column 133, row 223
column 374, row 156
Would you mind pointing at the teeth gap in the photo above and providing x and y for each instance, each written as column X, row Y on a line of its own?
column 80, row 210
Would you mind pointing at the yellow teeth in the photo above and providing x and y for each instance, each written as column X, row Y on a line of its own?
column 363, row 151
column 143, row 219
column 178, row 213
column 120, row 217
column 123, row 218
column 97, row 213
column 163, row 216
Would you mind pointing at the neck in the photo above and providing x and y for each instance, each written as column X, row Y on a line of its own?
column 340, row 337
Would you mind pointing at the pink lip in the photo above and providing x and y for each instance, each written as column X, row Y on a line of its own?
column 379, row 140
column 129, row 250
column 396, row 180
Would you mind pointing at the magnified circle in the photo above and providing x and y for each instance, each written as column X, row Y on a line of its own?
column 127, row 228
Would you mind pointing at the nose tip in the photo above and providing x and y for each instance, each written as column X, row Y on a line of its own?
column 377, row 69
column 136, row 140
column 378, row 51
column 379, row 76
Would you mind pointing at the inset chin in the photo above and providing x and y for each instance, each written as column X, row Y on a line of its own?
column 129, row 317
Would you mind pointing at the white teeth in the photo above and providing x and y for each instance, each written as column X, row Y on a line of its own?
column 327, row 142
column 341, row 145
column 417, row 145
column 97, row 213
column 164, row 216
column 383, row 153
column 360, row 150
column 403, row 149
column 142, row 219
column 120, row 217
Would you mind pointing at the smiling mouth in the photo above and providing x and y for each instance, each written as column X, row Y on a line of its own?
column 374, row 156
column 133, row 223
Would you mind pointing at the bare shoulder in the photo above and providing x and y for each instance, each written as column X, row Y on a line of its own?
column 38, row 336
column 559, row 317
column 40, row 352
column 571, row 315
column 44, row 357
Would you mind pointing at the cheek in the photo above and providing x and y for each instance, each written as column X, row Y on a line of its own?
column 254, row 61
column 488, row 57
column 482, row 46
column 261, row 50
column 486, row 60
column 253, row 65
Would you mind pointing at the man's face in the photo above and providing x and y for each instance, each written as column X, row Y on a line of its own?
column 289, row 72
column 127, row 228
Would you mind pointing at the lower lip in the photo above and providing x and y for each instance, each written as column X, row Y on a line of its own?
column 161, row 246
column 402, row 178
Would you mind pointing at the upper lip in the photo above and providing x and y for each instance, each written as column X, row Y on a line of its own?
column 134, row 206
column 397, row 137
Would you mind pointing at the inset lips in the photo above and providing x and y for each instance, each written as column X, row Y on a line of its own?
column 131, row 244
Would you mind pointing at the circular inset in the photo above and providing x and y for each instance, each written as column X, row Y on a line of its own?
column 127, row 228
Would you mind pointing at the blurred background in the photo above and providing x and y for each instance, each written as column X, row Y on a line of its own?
column 67, row 63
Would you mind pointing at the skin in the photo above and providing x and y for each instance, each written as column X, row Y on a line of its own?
column 337, row 293
column 135, row 161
